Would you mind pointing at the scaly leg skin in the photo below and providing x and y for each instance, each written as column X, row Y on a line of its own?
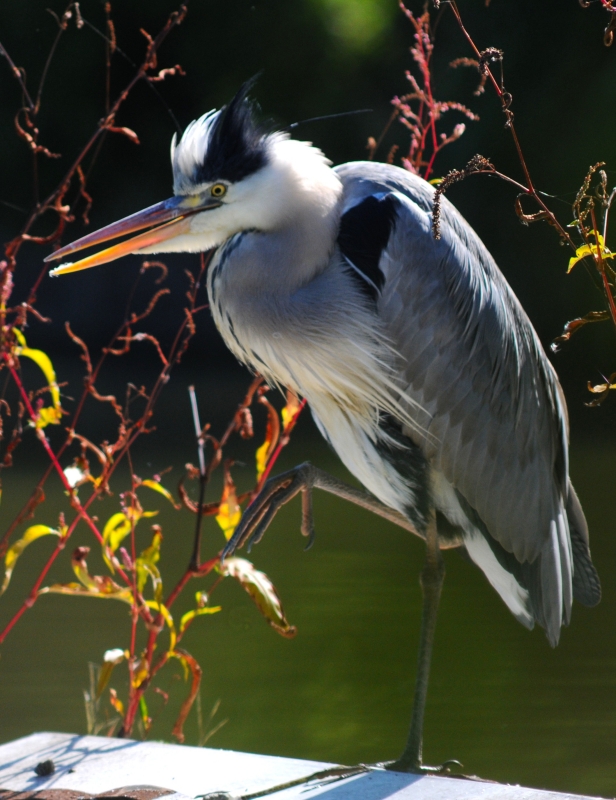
column 431, row 580
column 277, row 492
column 282, row 488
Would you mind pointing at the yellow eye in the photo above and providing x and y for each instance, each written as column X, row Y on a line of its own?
column 218, row 190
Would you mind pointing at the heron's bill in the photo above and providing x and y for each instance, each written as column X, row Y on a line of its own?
column 174, row 213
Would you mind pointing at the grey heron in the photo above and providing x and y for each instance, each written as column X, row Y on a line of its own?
column 419, row 364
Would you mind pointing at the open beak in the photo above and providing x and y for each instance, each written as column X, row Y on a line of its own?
column 166, row 220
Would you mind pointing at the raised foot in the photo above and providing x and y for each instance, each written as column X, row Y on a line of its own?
column 401, row 765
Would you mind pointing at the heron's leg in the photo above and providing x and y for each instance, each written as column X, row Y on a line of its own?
column 431, row 581
column 282, row 488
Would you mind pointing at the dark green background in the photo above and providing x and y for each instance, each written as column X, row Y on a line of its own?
column 501, row 701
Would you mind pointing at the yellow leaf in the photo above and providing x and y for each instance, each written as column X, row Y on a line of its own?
column 262, row 591
column 590, row 250
column 261, row 458
column 13, row 553
column 229, row 511
column 161, row 609
column 188, row 617
column 289, row 412
column 89, row 585
column 116, row 702
column 141, row 673
column 77, row 590
column 116, row 529
column 272, row 435
column 157, row 487
column 52, row 414
column 146, row 566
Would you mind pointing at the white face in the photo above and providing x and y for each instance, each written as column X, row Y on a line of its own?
column 295, row 182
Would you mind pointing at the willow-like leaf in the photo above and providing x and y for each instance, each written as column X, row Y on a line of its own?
column 32, row 534
column 229, row 511
column 51, row 415
column 262, row 591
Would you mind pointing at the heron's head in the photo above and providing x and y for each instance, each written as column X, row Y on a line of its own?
column 229, row 175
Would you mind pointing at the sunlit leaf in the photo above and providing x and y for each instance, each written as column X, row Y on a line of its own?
column 289, row 412
column 262, row 591
column 140, row 673
column 157, row 487
column 89, row 585
column 116, row 702
column 197, row 612
column 229, row 511
column 13, row 553
column 189, row 663
column 272, row 434
column 161, row 609
column 50, row 415
column 146, row 566
column 591, row 250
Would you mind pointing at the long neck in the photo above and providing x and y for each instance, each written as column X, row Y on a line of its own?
column 298, row 216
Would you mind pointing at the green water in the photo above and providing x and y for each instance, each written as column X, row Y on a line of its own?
column 501, row 700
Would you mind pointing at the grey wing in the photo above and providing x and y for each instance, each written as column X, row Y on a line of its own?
column 495, row 426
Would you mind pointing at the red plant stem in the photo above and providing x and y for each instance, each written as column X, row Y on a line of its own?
column 155, row 628
column 77, row 506
column 203, row 570
column 601, row 267
column 530, row 188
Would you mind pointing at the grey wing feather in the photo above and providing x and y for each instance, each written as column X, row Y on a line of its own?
column 495, row 424
column 495, row 419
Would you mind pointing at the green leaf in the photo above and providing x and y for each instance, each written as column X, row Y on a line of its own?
column 13, row 553
column 262, row 591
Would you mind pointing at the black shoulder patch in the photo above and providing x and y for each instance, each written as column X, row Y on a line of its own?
column 364, row 232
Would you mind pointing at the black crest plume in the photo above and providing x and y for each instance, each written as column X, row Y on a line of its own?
column 236, row 144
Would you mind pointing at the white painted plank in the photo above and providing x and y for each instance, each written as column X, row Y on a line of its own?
column 95, row 764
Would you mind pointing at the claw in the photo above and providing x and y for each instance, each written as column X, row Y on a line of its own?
column 423, row 769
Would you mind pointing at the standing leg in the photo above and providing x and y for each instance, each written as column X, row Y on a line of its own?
column 431, row 581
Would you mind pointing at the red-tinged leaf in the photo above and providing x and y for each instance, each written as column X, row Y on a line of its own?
column 89, row 585
column 229, row 511
column 291, row 410
column 272, row 434
column 190, row 663
column 116, row 702
column 162, row 609
column 262, row 591
column 575, row 324
column 130, row 134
